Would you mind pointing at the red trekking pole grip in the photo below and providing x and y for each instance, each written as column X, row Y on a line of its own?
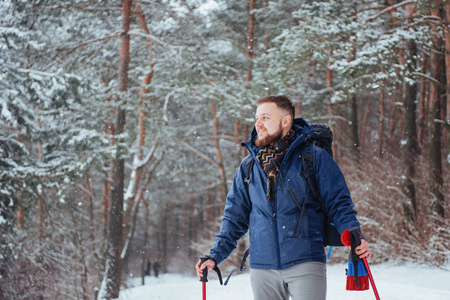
column 346, row 239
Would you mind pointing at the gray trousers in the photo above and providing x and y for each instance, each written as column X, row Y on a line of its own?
column 306, row 281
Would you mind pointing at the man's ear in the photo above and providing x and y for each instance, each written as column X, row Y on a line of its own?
column 287, row 120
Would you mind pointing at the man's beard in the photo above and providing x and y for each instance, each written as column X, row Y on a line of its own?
column 269, row 139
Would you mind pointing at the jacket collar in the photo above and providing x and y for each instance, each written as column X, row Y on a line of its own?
column 302, row 127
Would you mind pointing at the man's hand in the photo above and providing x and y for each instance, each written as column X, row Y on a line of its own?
column 363, row 250
column 210, row 264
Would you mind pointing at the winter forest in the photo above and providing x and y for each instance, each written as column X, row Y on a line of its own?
column 121, row 124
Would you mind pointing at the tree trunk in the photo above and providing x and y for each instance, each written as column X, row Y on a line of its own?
column 20, row 212
column 41, row 202
column 397, row 115
column 205, row 218
column 354, row 127
column 90, row 198
column 447, row 71
column 265, row 4
column 146, row 239
column 423, row 103
column 165, row 234
column 393, row 137
column 237, row 126
column 250, row 40
column 112, row 279
column 435, row 165
column 410, row 151
column 250, row 47
column 132, row 192
column 354, row 123
column 114, row 263
column 364, row 121
column 40, row 215
column 192, row 226
column 108, row 130
column 331, row 123
column 382, row 117
column 223, row 188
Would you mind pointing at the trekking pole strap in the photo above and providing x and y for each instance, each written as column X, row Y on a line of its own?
column 241, row 269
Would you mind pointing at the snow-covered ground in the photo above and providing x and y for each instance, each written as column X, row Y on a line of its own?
column 410, row 282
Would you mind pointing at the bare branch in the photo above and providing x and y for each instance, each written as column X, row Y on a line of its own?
column 322, row 118
column 198, row 153
column 423, row 20
column 149, row 156
column 223, row 137
column 372, row 8
column 136, row 32
column 107, row 38
column 97, row 52
column 433, row 80
column 388, row 9
column 85, row 190
column 71, row 6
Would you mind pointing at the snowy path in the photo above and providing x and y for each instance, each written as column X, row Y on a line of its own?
column 393, row 283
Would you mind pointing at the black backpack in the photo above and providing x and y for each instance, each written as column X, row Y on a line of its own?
column 323, row 138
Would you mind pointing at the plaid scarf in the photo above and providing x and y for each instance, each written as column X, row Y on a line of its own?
column 270, row 158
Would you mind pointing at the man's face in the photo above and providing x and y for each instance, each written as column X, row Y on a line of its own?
column 269, row 124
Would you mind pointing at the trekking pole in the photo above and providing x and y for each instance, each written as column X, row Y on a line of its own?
column 372, row 282
column 204, row 279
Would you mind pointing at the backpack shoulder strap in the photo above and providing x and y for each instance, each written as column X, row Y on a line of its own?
column 309, row 167
column 248, row 163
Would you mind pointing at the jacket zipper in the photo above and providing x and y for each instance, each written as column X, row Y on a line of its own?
column 274, row 218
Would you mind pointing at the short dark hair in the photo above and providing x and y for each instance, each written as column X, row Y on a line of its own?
column 281, row 101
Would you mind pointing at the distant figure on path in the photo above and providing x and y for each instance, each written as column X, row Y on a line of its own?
column 148, row 268
column 156, row 269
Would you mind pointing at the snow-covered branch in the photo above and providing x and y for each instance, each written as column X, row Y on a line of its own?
column 198, row 153
column 107, row 38
column 71, row 6
column 140, row 33
column 202, row 138
column 433, row 80
column 329, row 118
column 149, row 155
column 166, row 105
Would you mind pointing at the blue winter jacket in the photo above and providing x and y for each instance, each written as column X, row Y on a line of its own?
column 272, row 225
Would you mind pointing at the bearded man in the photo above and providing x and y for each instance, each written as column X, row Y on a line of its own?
column 287, row 257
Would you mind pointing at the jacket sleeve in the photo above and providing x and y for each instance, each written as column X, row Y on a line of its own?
column 334, row 192
column 235, row 221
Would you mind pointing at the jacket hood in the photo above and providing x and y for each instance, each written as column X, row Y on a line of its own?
column 303, row 129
